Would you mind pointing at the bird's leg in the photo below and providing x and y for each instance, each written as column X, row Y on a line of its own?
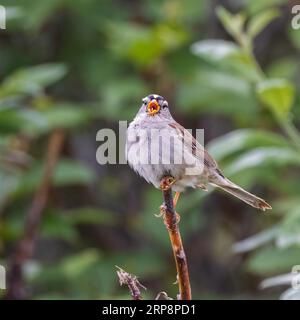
column 176, row 197
column 162, row 211
column 167, row 182
column 202, row 186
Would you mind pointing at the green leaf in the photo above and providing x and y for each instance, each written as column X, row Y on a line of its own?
column 10, row 121
column 260, row 21
column 215, row 50
column 175, row 11
column 14, row 12
column 133, row 42
column 217, row 92
column 62, row 224
column 36, row 122
column 120, row 98
column 70, row 172
column 264, row 156
column 32, row 80
column 67, row 172
column 277, row 94
column 11, row 102
column 8, row 184
column 289, row 232
column 57, row 225
column 90, row 216
column 294, row 37
column 77, row 264
column 141, row 44
column 255, row 6
column 282, row 279
column 36, row 13
column 234, row 24
column 227, row 56
column 255, row 241
column 283, row 68
column 66, row 115
column 272, row 260
column 291, row 293
column 243, row 139
column 150, row 262
column 22, row 121
column 33, row 122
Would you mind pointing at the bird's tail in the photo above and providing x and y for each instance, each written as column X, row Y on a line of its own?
column 242, row 194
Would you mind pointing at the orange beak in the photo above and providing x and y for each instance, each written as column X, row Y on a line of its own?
column 153, row 107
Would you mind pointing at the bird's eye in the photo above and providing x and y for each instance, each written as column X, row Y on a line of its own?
column 144, row 101
column 165, row 104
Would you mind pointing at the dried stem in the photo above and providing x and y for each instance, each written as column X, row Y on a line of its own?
column 162, row 296
column 170, row 220
column 132, row 282
column 25, row 248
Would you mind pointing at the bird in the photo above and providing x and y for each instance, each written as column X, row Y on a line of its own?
column 154, row 140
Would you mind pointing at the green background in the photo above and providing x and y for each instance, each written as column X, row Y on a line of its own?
column 84, row 65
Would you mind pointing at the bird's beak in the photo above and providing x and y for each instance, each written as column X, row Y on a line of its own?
column 153, row 107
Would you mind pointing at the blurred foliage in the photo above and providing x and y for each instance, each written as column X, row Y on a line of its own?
column 84, row 65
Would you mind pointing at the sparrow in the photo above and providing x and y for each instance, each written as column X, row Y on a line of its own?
column 167, row 155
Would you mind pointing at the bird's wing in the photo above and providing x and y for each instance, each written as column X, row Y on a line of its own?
column 197, row 149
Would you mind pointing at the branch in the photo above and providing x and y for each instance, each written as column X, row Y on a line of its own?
column 132, row 282
column 162, row 296
column 25, row 248
column 170, row 220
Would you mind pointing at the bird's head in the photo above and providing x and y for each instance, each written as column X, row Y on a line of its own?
column 154, row 104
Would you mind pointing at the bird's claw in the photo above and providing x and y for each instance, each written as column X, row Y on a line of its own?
column 166, row 183
column 202, row 186
column 177, row 217
column 163, row 211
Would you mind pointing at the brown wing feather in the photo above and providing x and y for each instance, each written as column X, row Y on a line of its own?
column 197, row 148
column 224, row 184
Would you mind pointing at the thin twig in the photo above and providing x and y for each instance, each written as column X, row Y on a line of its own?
column 132, row 282
column 162, row 296
column 25, row 248
column 170, row 220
